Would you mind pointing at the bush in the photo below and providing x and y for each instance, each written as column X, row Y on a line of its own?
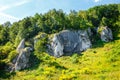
column 100, row 29
column 12, row 55
column 5, row 50
column 75, row 58
column 40, row 46
column 2, row 65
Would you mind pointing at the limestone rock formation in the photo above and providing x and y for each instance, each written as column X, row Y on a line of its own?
column 67, row 42
column 106, row 34
column 21, row 46
column 22, row 59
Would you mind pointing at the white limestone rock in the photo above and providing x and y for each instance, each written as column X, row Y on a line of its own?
column 57, row 46
column 21, row 46
column 67, row 42
column 106, row 34
column 23, row 59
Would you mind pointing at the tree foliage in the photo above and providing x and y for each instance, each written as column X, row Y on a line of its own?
column 56, row 20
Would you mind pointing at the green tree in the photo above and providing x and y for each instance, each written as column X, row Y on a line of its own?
column 14, row 29
column 104, row 22
column 4, row 34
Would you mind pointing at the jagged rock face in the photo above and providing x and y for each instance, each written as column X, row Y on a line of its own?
column 68, row 42
column 21, row 46
column 57, row 46
column 106, row 34
column 23, row 59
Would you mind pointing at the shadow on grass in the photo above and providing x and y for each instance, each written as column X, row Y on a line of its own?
column 34, row 62
column 5, row 74
column 98, row 44
column 57, row 65
column 117, row 38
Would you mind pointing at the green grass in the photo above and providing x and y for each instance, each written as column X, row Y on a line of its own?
column 102, row 62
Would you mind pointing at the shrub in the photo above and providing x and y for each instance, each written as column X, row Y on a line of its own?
column 2, row 65
column 74, row 58
column 40, row 46
column 5, row 50
column 12, row 55
column 100, row 29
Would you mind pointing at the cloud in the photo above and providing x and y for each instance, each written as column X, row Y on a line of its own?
column 21, row 3
column 8, row 16
column 5, row 17
column 97, row 0
column 2, row 8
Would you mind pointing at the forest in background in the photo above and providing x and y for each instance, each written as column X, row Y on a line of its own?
column 52, row 22
column 56, row 20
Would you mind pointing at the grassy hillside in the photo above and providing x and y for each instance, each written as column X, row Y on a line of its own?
column 101, row 62
column 98, row 63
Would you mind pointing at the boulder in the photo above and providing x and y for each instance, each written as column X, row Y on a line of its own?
column 67, row 42
column 21, row 46
column 23, row 59
column 106, row 34
column 57, row 46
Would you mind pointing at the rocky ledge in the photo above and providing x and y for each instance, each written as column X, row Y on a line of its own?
column 65, row 42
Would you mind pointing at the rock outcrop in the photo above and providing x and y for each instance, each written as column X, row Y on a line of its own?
column 22, row 59
column 21, row 46
column 106, row 34
column 65, row 42
column 68, row 42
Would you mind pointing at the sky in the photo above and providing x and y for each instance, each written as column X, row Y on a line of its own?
column 15, row 10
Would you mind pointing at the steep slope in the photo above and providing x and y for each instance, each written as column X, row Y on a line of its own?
column 101, row 62
column 98, row 63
